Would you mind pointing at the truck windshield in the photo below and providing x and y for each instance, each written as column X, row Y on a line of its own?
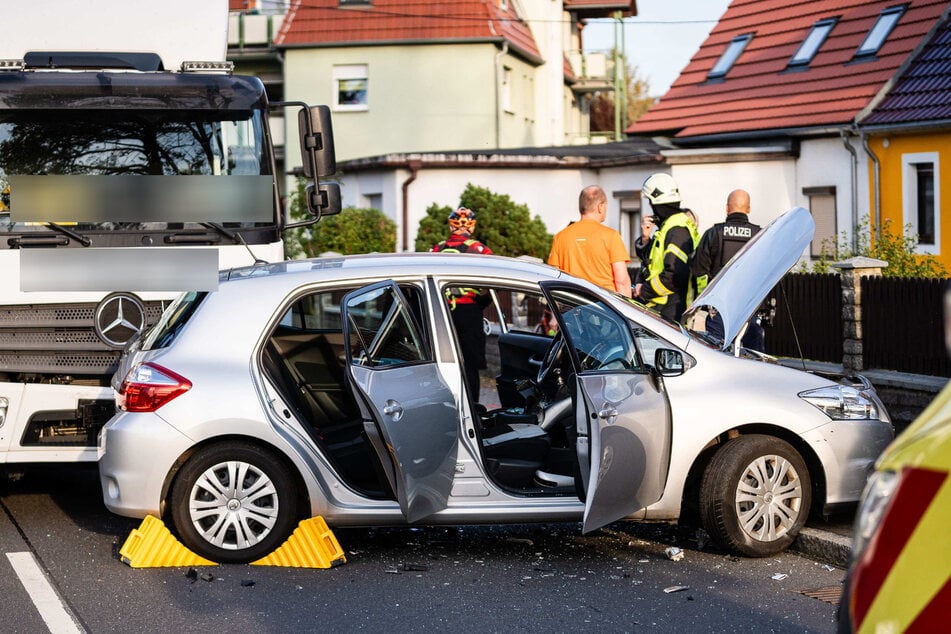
column 127, row 142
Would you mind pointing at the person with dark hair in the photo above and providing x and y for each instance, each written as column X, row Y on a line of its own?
column 667, row 287
column 466, row 304
column 590, row 250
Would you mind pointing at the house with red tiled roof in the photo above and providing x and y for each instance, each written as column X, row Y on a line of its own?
column 425, row 93
column 777, row 101
column 442, row 75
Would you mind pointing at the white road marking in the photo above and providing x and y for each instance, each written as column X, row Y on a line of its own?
column 55, row 614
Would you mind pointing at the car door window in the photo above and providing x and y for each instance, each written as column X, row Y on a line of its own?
column 382, row 332
column 601, row 338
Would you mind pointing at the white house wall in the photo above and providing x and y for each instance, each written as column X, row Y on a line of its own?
column 549, row 194
column 421, row 98
column 826, row 162
column 705, row 187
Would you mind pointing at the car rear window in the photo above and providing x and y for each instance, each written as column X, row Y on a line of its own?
column 166, row 329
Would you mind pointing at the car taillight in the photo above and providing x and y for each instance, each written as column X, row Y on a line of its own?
column 148, row 387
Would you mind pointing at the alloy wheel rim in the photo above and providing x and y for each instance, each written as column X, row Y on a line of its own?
column 768, row 498
column 233, row 505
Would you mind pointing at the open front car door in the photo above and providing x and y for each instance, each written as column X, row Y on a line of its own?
column 622, row 411
column 409, row 412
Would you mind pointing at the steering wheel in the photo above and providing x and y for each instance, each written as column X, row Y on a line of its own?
column 552, row 357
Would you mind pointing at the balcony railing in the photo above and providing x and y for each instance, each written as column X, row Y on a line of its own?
column 253, row 30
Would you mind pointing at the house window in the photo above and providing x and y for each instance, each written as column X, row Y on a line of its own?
column 921, row 196
column 822, row 206
column 629, row 202
column 351, row 82
column 810, row 46
column 729, row 57
column 880, row 31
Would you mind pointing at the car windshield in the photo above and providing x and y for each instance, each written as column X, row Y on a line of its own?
column 123, row 143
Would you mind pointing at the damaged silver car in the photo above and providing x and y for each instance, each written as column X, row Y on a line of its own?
column 335, row 387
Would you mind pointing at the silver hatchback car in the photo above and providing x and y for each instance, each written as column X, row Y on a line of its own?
column 335, row 387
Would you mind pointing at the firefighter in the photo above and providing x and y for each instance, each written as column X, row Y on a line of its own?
column 466, row 304
column 667, row 287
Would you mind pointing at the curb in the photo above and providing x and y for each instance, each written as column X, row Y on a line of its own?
column 824, row 546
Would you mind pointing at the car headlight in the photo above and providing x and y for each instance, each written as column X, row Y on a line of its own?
column 878, row 493
column 841, row 402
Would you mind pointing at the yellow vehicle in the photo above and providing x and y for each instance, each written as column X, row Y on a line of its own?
column 900, row 577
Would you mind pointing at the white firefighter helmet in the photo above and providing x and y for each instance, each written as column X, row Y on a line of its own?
column 661, row 189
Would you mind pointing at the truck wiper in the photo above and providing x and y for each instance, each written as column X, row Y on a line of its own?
column 47, row 241
column 235, row 237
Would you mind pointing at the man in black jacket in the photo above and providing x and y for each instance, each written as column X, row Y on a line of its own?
column 718, row 244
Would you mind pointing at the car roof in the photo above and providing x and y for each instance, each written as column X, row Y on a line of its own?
column 386, row 265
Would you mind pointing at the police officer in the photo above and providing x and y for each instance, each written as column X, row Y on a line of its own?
column 466, row 304
column 720, row 243
column 667, row 286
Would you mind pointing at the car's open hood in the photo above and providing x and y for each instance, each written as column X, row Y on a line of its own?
column 738, row 290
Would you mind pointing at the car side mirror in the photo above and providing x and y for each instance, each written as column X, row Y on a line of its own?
column 669, row 362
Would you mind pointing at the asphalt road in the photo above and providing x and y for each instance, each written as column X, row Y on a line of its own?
column 515, row 578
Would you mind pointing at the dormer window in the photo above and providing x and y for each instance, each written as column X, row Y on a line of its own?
column 810, row 46
column 880, row 32
column 729, row 57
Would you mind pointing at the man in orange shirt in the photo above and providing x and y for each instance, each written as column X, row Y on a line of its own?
column 590, row 250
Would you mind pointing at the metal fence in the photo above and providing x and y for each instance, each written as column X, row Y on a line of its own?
column 808, row 318
column 902, row 322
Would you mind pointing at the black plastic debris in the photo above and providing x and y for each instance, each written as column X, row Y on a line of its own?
column 192, row 575
column 208, row 577
column 410, row 567
column 247, row 583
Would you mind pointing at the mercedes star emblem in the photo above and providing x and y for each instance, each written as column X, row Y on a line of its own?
column 119, row 318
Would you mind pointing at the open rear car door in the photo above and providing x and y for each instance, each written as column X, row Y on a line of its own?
column 409, row 412
column 622, row 412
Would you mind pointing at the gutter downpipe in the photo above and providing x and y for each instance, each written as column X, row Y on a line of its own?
column 498, row 92
column 844, row 133
column 876, row 186
column 413, row 167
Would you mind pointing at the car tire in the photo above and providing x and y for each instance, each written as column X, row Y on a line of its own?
column 233, row 502
column 755, row 495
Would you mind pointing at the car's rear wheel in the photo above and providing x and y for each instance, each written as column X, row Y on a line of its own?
column 755, row 495
column 233, row 502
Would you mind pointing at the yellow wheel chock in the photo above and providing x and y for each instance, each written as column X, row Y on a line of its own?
column 152, row 545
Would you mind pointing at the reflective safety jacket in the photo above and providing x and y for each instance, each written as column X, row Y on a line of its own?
column 459, row 243
column 669, row 269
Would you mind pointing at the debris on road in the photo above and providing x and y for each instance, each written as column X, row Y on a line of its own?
column 676, row 589
column 673, row 553
column 779, row 576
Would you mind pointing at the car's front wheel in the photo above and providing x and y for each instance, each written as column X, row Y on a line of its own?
column 755, row 495
column 233, row 502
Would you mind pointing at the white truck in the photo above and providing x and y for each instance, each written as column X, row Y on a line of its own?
column 133, row 165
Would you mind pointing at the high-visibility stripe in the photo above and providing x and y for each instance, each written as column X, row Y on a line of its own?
column 934, row 618
column 677, row 251
column 659, row 288
column 892, row 556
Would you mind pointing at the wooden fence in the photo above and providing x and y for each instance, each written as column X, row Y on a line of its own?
column 902, row 322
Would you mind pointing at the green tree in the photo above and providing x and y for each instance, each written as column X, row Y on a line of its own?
column 638, row 101
column 505, row 226
column 351, row 231
column 896, row 248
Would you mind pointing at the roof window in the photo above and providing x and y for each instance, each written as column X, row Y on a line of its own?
column 810, row 46
column 729, row 57
column 887, row 20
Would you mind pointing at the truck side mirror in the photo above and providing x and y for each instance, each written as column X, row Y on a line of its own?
column 323, row 199
column 317, row 142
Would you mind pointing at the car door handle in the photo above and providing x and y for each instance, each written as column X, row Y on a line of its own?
column 608, row 414
column 394, row 409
